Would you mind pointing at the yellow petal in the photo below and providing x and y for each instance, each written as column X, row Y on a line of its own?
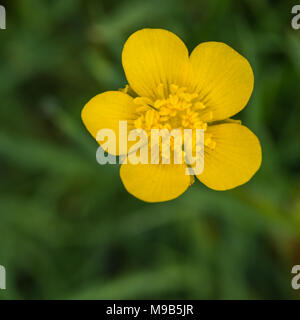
column 235, row 158
column 155, row 182
column 105, row 110
column 223, row 78
column 153, row 59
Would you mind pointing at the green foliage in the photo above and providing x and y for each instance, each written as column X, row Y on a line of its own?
column 69, row 230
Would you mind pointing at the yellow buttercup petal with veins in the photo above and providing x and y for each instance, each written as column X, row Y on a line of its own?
column 168, row 89
column 152, row 59
column 155, row 183
column 223, row 78
column 235, row 158
column 105, row 110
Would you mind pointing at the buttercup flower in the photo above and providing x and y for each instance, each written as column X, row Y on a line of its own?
column 168, row 88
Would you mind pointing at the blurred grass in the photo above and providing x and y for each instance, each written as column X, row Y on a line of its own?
column 69, row 230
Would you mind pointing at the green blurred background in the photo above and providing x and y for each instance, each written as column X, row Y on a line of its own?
column 68, row 228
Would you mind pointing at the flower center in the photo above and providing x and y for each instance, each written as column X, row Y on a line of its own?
column 178, row 109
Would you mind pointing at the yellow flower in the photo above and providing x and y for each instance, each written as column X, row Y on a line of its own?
column 168, row 88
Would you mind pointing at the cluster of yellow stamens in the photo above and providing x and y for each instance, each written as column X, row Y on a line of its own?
column 173, row 108
column 177, row 109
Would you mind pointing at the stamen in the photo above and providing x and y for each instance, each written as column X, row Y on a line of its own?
column 199, row 105
column 173, row 88
column 160, row 90
column 144, row 101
